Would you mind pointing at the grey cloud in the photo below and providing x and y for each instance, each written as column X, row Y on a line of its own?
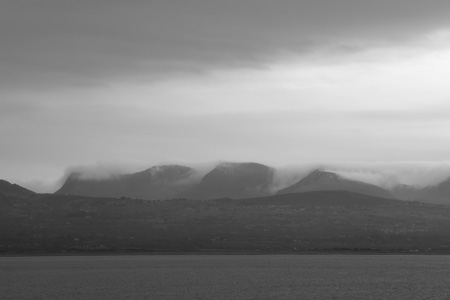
column 62, row 42
column 388, row 174
column 384, row 174
column 39, row 186
column 415, row 116
column 12, row 108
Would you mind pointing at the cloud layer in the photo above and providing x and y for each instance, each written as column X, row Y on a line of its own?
column 61, row 42
column 387, row 175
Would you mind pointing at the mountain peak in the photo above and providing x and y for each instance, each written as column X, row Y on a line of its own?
column 322, row 180
column 234, row 180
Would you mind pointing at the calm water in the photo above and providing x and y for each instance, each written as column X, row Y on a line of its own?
column 225, row 277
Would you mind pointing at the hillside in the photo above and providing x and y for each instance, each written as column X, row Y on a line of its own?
column 14, row 190
column 158, row 182
column 234, row 180
column 238, row 181
column 319, row 180
column 312, row 221
column 438, row 194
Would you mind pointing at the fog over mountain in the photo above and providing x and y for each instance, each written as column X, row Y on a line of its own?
column 234, row 180
column 383, row 174
column 402, row 180
column 157, row 182
column 389, row 174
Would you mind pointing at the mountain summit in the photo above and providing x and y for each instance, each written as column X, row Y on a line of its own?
column 234, row 180
column 158, row 182
column 320, row 180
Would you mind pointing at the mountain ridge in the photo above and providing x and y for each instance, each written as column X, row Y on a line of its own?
column 157, row 182
column 236, row 180
column 438, row 193
column 320, row 180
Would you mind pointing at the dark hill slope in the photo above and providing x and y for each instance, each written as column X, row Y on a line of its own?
column 320, row 198
column 327, row 181
column 439, row 194
column 14, row 190
column 310, row 221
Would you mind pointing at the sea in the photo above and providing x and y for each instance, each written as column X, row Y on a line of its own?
column 258, row 277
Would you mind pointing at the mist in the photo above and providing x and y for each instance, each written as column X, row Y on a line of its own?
column 389, row 174
column 101, row 170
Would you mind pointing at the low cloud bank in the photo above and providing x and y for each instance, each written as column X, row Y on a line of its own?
column 99, row 171
column 390, row 174
column 108, row 170
column 39, row 186
column 288, row 175
column 383, row 174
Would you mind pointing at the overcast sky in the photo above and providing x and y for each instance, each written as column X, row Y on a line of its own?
column 289, row 81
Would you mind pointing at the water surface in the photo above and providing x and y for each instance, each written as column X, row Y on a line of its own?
column 225, row 277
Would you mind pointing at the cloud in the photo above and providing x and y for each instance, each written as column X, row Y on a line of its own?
column 101, row 170
column 389, row 174
column 108, row 170
column 272, row 81
column 288, row 175
column 286, row 113
column 383, row 174
column 39, row 186
column 53, row 43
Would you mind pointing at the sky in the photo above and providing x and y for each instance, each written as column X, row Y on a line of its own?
column 130, row 84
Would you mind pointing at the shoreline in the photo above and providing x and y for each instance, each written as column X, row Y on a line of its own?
column 224, row 253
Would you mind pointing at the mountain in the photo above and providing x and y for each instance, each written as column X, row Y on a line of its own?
column 158, row 182
column 320, row 180
column 439, row 193
column 234, row 180
column 406, row 192
column 9, row 189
